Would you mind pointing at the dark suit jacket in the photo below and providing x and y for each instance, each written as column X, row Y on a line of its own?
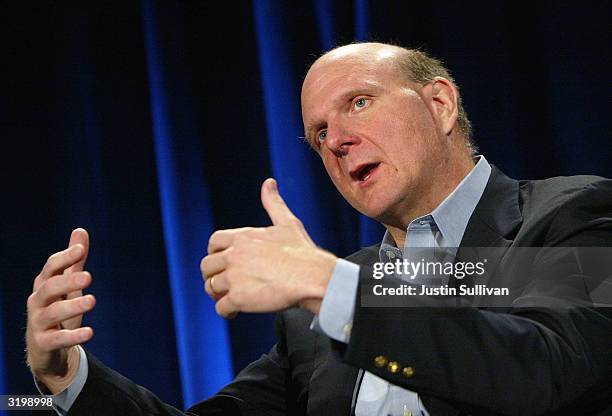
column 551, row 355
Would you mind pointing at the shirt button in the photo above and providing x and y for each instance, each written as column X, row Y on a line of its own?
column 407, row 411
column 347, row 329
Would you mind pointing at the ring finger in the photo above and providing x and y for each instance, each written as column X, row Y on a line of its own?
column 216, row 286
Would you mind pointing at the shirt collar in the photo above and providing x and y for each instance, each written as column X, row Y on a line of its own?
column 453, row 214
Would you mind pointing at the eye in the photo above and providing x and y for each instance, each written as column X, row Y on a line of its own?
column 360, row 103
column 321, row 136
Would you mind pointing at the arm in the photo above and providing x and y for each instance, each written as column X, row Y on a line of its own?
column 54, row 332
column 55, row 310
column 522, row 360
column 259, row 389
column 533, row 358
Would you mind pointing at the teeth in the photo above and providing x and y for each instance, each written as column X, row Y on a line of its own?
column 366, row 173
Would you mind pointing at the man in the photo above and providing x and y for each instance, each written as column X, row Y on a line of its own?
column 392, row 134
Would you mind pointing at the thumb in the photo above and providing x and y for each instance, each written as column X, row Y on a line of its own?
column 273, row 203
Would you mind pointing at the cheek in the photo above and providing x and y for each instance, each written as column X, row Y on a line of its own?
column 333, row 169
column 339, row 179
column 407, row 136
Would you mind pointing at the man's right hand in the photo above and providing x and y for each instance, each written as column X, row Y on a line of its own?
column 55, row 311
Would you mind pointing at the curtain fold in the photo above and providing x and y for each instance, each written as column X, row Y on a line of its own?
column 202, row 340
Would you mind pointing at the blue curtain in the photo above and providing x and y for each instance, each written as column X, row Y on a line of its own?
column 152, row 124
column 187, row 216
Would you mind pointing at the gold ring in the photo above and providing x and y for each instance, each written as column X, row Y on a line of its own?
column 212, row 284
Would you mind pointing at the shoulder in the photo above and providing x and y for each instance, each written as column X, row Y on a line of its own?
column 569, row 205
column 562, row 190
column 592, row 194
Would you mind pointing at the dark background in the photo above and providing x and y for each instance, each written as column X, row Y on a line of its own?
column 153, row 123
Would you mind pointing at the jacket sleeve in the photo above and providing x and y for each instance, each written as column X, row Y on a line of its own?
column 260, row 389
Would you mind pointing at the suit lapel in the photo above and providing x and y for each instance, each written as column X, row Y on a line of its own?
column 366, row 256
column 493, row 225
column 497, row 215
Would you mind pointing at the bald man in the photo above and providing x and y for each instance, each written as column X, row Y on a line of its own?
column 391, row 131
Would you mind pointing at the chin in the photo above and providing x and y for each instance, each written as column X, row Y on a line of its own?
column 379, row 213
column 376, row 206
column 387, row 212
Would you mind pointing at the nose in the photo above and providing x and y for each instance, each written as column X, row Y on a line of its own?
column 340, row 138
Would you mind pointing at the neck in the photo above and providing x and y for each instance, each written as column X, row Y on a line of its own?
column 442, row 187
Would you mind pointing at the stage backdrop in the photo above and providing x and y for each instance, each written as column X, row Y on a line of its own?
column 152, row 124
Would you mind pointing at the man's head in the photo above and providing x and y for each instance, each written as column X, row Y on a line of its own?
column 386, row 122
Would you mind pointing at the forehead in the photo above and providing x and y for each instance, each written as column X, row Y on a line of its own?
column 347, row 69
column 338, row 77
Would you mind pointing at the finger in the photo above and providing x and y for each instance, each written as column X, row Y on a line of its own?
column 79, row 236
column 213, row 295
column 275, row 206
column 222, row 239
column 58, row 262
column 59, row 286
column 57, row 312
column 64, row 338
column 226, row 308
column 212, row 264
column 219, row 286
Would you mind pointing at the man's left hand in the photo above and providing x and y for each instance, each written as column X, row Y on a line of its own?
column 266, row 269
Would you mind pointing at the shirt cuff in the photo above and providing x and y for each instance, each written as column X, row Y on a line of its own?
column 338, row 307
column 63, row 401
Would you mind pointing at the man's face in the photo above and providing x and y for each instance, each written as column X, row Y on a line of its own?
column 374, row 132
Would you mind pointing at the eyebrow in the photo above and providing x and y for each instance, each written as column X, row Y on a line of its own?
column 368, row 89
column 311, row 129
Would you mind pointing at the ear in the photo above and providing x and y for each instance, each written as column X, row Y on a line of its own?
column 444, row 104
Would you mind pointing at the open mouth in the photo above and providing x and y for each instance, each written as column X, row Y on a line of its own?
column 363, row 172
